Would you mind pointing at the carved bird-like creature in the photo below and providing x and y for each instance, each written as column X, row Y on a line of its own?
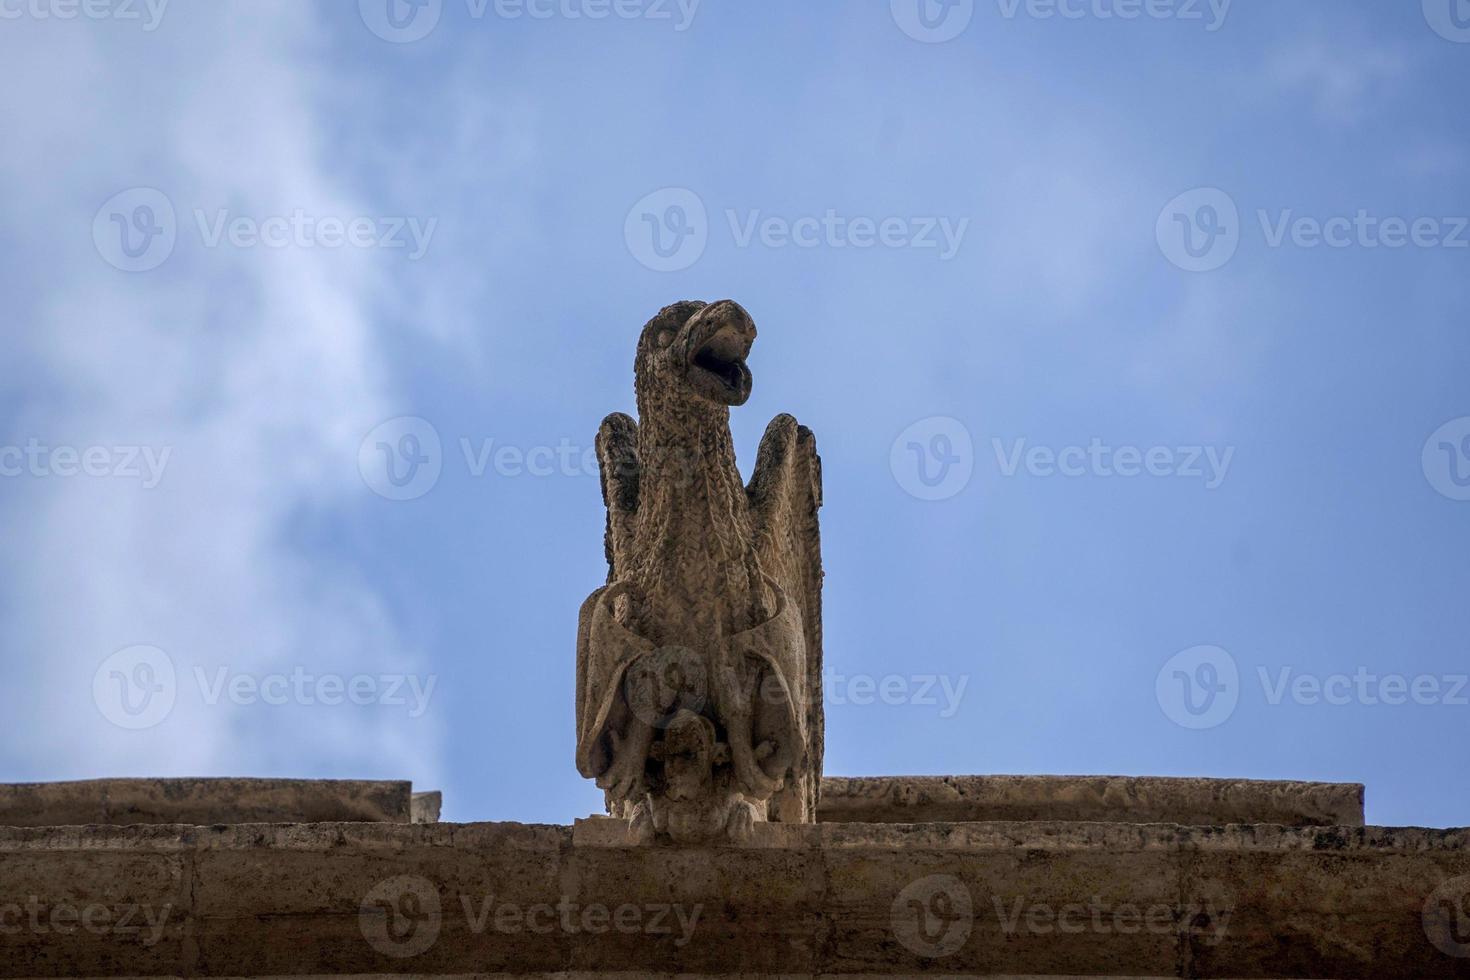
column 699, row 698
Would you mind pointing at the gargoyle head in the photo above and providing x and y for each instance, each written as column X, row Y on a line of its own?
column 693, row 353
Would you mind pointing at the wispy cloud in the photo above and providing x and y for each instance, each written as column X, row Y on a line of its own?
column 1346, row 80
column 256, row 368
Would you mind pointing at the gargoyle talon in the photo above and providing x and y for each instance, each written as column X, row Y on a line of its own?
column 640, row 826
column 753, row 781
column 740, row 826
column 624, row 778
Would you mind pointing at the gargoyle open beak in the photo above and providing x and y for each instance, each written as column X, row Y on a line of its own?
column 721, row 336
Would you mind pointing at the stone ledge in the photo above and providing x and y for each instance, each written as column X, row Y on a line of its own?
column 203, row 801
column 977, row 899
column 1114, row 799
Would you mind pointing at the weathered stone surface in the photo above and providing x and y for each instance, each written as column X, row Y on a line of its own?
column 1120, row 799
column 699, row 662
column 977, row 899
column 426, row 807
column 203, row 801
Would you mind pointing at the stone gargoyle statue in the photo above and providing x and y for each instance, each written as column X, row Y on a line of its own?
column 699, row 663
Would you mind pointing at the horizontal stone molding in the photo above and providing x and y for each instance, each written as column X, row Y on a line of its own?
column 1112, row 799
column 967, row 899
column 121, row 802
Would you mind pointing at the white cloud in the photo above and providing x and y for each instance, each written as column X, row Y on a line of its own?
column 1345, row 79
column 256, row 366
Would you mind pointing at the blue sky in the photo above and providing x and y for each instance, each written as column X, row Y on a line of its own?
column 1135, row 348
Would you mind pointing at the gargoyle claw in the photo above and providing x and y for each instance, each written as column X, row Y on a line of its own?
column 741, row 825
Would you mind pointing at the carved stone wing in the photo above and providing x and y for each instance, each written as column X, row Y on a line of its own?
column 785, row 493
column 599, row 664
column 617, row 458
